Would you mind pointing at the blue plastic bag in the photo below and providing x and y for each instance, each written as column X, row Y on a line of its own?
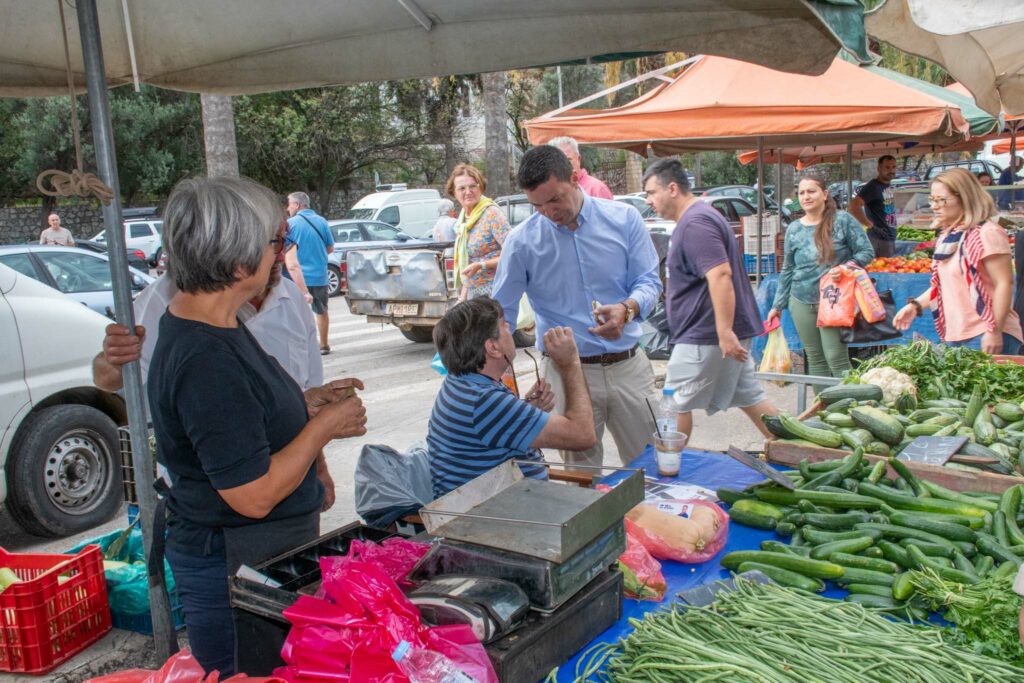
column 438, row 365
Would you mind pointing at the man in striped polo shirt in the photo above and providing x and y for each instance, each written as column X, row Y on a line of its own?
column 477, row 422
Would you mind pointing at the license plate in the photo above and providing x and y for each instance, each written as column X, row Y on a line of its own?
column 402, row 309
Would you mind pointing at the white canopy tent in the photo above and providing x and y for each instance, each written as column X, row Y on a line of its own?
column 247, row 46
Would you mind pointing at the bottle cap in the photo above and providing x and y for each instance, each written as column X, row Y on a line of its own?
column 401, row 650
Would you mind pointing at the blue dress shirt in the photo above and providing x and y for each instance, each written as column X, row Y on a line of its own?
column 608, row 258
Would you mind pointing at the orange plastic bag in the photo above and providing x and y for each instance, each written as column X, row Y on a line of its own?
column 179, row 668
column 837, row 300
column 868, row 302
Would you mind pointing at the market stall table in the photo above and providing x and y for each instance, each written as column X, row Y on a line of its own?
column 710, row 470
column 903, row 286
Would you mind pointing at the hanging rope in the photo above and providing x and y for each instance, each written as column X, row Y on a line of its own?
column 78, row 183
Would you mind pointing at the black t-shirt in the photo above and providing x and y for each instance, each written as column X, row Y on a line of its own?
column 880, row 209
column 221, row 407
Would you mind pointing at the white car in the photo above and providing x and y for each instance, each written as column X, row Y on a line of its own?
column 60, row 463
column 146, row 235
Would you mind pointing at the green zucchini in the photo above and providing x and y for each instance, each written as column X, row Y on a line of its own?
column 997, row 551
column 785, row 528
column 822, row 437
column 869, row 589
column 947, row 573
column 895, row 553
column 842, row 405
column 1011, row 412
column 774, row 425
column 904, row 502
column 857, row 575
column 925, row 429
column 984, row 430
column 869, row 601
column 928, row 548
column 884, row 426
column 785, row 577
column 975, row 404
column 943, row 493
column 906, row 403
column 832, row 499
column 947, row 530
column 819, row 537
column 901, row 469
column 963, row 564
column 899, row 532
column 800, row 565
column 839, row 521
column 858, row 392
column 850, row 545
column 1009, row 504
column 877, row 472
column 861, row 562
column 752, row 519
column 823, row 465
column 902, row 586
column 878, row 448
column 873, row 552
column 1005, row 570
column 983, row 565
column 922, row 414
column 730, row 496
column 779, row 547
column 839, row 420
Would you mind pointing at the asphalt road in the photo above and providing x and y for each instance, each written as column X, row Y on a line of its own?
column 400, row 390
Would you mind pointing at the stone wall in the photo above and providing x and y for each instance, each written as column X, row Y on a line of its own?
column 23, row 224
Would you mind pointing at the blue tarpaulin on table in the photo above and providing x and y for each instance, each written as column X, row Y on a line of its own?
column 903, row 286
column 710, row 470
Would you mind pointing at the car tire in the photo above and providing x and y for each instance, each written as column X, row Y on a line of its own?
column 64, row 471
column 421, row 334
column 525, row 338
column 333, row 281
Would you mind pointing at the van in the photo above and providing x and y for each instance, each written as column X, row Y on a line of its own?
column 60, row 457
column 414, row 212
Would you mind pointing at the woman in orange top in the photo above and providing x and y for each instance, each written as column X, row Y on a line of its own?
column 971, row 292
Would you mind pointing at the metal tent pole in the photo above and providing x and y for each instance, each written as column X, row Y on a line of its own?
column 849, row 175
column 164, row 636
column 760, row 207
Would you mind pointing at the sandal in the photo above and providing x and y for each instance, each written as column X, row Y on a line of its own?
column 324, row 350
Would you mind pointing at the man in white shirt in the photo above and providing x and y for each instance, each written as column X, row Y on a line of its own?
column 280, row 321
column 55, row 234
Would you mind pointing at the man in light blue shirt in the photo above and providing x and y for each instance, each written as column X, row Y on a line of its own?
column 309, row 232
column 587, row 264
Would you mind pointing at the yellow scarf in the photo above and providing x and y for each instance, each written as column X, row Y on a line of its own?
column 463, row 225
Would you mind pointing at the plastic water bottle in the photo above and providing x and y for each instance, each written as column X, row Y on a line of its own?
column 667, row 411
column 427, row 666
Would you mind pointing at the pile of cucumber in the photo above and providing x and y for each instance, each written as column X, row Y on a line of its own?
column 853, row 415
column 848, row 523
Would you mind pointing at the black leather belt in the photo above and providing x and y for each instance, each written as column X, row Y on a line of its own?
column 610, row 358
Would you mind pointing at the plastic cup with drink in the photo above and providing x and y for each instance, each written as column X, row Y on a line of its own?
column 668, row 451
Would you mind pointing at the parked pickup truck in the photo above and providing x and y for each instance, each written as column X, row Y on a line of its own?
column 409, row 286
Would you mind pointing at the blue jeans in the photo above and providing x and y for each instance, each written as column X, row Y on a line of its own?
column 202, row 583
column 1011, row 346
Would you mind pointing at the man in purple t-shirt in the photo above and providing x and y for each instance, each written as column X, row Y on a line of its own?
column 712, row 314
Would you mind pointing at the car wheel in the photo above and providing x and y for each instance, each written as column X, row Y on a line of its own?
column 525, row 338
column 333, row 281
column 421, row 334
column 64, row 471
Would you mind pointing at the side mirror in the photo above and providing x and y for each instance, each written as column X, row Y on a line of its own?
column 402, row 237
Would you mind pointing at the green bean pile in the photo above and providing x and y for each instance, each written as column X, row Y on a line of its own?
column 767, row 633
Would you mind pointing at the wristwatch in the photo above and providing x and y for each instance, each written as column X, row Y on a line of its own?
column 630, row 314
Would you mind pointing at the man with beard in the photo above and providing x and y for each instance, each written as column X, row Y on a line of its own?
column 279, row 319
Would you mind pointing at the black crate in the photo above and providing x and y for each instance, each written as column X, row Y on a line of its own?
column 260, row 627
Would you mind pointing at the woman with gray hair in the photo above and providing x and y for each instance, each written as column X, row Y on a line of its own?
column 444, row 228
column 231, row 426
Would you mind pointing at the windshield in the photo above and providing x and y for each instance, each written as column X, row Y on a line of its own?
column 359, row 214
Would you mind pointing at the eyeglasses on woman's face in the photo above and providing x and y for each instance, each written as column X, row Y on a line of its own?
column 940, row 201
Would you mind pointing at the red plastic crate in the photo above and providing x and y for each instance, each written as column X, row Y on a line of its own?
column 47, row 618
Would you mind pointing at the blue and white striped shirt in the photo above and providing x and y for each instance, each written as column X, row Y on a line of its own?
column 477, row 424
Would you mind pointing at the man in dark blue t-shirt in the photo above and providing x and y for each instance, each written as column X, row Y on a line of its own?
column 477, row 423
column 1009, row 176
column 712, row 314
column 875, row 206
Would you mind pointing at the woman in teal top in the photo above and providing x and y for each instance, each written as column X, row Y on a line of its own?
column 822, row 239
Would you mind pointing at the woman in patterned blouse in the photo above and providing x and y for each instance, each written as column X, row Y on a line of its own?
column 479, row 232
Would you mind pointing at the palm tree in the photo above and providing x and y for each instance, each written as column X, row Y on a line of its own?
column 219, row 134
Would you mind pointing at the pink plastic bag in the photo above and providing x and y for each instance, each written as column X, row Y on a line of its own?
column 179, row 668
column 348, row 634
column 396, row 556
column 642, row 573
column 711, row 520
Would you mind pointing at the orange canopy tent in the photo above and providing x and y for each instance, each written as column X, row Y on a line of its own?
column 720, row 103
column 809, row 155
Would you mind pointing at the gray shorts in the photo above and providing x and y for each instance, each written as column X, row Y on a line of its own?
column 704, row 380
column 319, row 294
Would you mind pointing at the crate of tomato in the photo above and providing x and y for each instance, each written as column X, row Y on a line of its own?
column 900, row 264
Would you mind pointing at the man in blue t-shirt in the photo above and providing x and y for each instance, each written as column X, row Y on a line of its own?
column 309, row 233
column 1009, row 176
column 875, row 206
column 477, row 423
column 712, row 314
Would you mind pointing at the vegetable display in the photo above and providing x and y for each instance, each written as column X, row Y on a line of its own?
column 942, row 372
column 912, row 234
column 902, row 545
column 917, row 262
column 770, row 634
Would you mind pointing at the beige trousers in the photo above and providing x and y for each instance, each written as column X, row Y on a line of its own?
column 618, row 394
